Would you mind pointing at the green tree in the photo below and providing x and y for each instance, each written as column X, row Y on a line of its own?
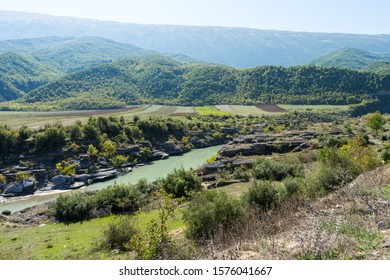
column 181, row 182
column 109, row 149
column 376, row 121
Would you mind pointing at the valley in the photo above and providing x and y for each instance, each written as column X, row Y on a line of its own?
column 125, row 141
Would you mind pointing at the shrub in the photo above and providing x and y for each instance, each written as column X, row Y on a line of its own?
column 211, row 211
column 241, row 173
column 109, row 149
column 375, row 121
column 363, row 158
column 50, row 139
column 293, row 185
column 386, row 154
column 262, row 194
column 66, row 169
column 20, row 176
column 92, row 153
column 73, row 207
column 119, row 160
column 2, row 179
column 145, row 187
column 181, row 182
column 156, row 242
column 274, row 170
column 119, row 198
column 118, row 234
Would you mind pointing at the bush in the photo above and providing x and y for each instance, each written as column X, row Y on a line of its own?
column 211, row 211
column 274, row 170
column 119, row 160
column 145, row 187
column 386, row 154
column 156, row 242
column 118, row 234
column 362, row 157
column 262, row 194
column 50, row 139
column 119, row 198
column 181, row 182
column 240, row 173
column 293, row 185
column 66, row 169
column 73, row 207
column 2, row 179
column 20, row 176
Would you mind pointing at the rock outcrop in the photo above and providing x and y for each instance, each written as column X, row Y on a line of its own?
column 23, row 187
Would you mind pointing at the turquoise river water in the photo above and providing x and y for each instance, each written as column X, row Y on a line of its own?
column 152, row 171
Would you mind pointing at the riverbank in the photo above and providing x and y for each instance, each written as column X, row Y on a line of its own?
column 156, row 169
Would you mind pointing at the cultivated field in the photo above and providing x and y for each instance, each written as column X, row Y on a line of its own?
column 37, row 120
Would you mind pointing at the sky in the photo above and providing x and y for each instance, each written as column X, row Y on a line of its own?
column 344, row 16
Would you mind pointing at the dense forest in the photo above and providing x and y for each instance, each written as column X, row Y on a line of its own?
column 352, row 59
column 158, row 79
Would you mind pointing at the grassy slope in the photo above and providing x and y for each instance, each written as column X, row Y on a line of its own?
column 61, row 241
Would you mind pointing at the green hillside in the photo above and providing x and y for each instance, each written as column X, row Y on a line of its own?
column 20, row 74
column 381, row 68
column 350, row 58
column 162, row 80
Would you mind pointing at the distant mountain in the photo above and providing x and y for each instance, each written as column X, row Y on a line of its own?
column 350, row 58
column 72, row 54
column 239, row 47
column 20, row 74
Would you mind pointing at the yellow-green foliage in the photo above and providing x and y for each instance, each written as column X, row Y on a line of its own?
column 109, row 149
column 119, row 160
column 92, row 152
column 21, row 176
column 375, row 121
column 2, row 179
column 66, row 169
column 212, row 159
column 363, row 157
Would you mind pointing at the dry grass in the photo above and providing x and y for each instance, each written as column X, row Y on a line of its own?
column 351, row 223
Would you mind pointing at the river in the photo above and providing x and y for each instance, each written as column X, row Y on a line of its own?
column 152, row 171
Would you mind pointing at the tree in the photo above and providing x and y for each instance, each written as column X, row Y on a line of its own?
column 92, row 153
column 109, row 149
column 376, row 121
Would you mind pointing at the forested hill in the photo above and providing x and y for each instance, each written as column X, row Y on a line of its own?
column 71, row 54
column 238, row 47
column 162, row 80
column 20, row 74
column 28, row 63
column 353, row 59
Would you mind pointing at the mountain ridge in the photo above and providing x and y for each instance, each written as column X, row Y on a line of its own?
column 234, row 46
column 350, row 58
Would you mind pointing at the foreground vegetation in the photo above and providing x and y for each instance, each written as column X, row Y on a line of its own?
column 296, row 205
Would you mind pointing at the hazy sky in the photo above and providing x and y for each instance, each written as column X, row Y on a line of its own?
column 347, row 16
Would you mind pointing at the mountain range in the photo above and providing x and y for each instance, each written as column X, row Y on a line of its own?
column 238, row 47
column 180, row 65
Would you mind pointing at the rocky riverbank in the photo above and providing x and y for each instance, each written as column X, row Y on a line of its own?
column 30, row 177
column 243, row 150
